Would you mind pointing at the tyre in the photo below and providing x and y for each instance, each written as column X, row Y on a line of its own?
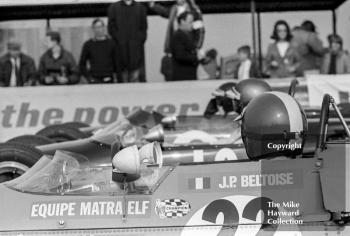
column 76, row 125
column 61, row 133
column 80, row 126
column 15, row 159
column 31, row 140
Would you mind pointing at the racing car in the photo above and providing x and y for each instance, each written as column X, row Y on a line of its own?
column 143, row 192
column 217, row 137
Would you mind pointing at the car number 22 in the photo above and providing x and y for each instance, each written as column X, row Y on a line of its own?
column 243, row 214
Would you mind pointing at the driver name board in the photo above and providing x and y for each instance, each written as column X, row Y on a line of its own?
column 243, row 181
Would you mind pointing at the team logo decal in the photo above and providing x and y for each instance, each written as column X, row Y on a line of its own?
column 172, row 208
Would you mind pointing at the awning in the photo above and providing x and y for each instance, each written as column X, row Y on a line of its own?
column 41, row 9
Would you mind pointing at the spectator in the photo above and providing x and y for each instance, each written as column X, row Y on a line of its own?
column 127, row 24
column 57, row 66
column 210, row 65
column 185, row 56
column 181, row 6
column 99, row 54
column 336, row 61
column 282, row 59
column 16, row 68
column 309, row 46
column 246, row 68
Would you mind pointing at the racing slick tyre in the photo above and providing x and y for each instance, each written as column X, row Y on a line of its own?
column 31, row 140
column 15, row 159
column 79, row 126
column 61, row 133
column 76, row 125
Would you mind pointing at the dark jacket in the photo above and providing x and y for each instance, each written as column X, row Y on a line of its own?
column 128, row 27
column 65, row 64
column 253, row 70
column 171, row 14
column 184, row 57
column 310, row 49
column 27, row 72
column 290, row 59
column 101, row 56
column 342, row 63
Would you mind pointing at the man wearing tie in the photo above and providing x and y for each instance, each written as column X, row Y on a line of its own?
column 16, row 68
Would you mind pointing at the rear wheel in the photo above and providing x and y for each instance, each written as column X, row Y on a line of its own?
column 32, row 140
column 15, row 159
column 76, row 124
column 61, row 133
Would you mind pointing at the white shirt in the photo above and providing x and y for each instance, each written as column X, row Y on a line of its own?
column 13, row 79
column 282, row 48
column 244, row 69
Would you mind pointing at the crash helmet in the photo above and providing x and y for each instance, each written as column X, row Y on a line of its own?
column 235, row 96
column 273, row 124
column 250, row 88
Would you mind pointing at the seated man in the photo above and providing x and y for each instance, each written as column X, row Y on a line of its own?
column 57, row 66
column 98, row 57
column 16, row 68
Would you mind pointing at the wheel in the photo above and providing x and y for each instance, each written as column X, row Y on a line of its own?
column 15, row 159
column 31, row 140
column 79, row 126
column 61, row 133
column 76, row 125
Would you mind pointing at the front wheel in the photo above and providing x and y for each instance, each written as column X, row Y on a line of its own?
column 15, row 159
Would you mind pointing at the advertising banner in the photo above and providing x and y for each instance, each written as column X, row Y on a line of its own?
column 27, row 110
column 338, row 86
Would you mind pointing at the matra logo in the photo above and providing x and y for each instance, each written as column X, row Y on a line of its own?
column 242, row 214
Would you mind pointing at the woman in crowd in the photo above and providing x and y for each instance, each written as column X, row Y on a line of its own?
column 336, row 60
column 282, row 59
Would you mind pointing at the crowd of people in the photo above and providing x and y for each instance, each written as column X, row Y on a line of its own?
column 117, row 55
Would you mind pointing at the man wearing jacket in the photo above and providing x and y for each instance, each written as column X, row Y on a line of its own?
column 127, row 24
column 185, row 56
column 309, row 46
column 16, row 68
column 172, row 13
column 57, row 66
column 336, row 60
column 98, row 57
column 180, row 7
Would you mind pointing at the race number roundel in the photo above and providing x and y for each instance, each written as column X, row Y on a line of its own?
column 195, row 136
column 246, row 212
column 226, row 154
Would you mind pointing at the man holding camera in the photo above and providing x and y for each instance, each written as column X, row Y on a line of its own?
column 57, row 66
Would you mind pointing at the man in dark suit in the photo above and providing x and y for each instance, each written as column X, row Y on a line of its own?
column 184, row 52
column 246, row 68
column 127, row 24
column 16, row 68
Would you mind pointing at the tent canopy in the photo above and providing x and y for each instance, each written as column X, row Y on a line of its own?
column 17, row 9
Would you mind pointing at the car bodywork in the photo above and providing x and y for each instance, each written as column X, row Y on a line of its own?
column 67, row 194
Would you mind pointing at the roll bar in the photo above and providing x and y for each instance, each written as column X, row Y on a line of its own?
column 292, row 87
column 327, row 101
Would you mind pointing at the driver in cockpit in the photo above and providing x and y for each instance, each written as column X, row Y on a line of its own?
column 233, row 97
column 273, row 124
